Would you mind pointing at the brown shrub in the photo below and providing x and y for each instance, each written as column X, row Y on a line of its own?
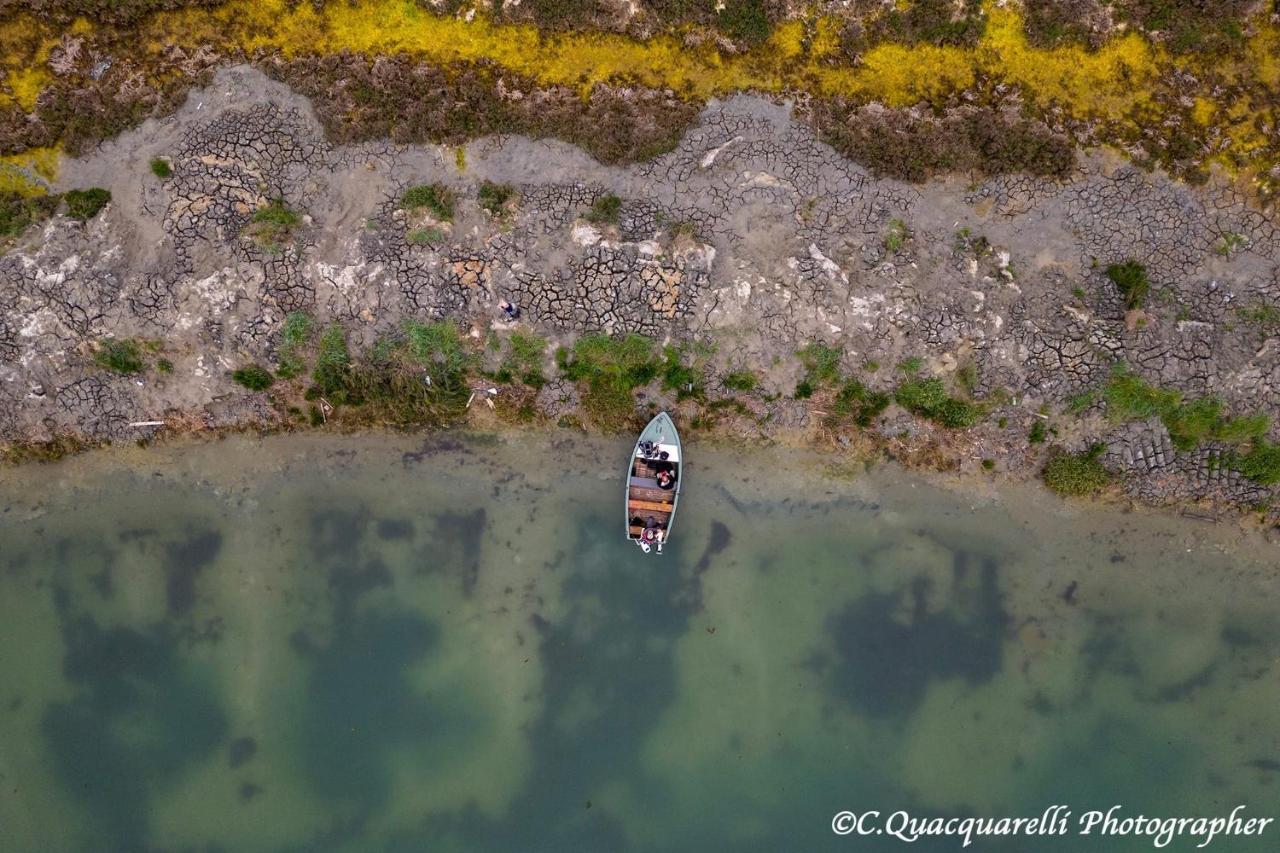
column 913, row 146
column 1053, row 22
column 107, row 11
column 358, row 98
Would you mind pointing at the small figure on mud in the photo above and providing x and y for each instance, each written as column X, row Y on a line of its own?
column 510, row 309
column 666, row 480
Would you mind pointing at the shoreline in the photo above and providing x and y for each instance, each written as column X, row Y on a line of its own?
column 753, row 280
column 823, row 462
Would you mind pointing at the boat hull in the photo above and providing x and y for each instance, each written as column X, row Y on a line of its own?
column 655, row 473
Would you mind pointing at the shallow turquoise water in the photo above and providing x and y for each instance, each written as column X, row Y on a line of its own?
column 371, row 643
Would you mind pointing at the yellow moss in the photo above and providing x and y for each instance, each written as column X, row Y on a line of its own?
column 1114, row 84
column 25, row 85
column 1202, row 112
column 1106, row 83
column 826, row 38
column 29, row 173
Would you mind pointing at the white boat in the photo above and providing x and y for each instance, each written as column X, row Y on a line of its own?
column 654, row 474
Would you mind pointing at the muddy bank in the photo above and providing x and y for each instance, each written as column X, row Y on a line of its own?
column 749, row 242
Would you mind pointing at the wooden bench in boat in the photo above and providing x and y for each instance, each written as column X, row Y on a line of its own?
column 652, row 506
column 646, row 469
column 656, row 495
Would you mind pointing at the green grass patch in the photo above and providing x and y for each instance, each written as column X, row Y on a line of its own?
column 745, row 21
column 494, row 197
column 1076, row 474
column 1129, row 397
column 741, row 380
column 896, row 237
column 1130, row 278
column 604, row 210
column 333, row 360
column 1261, row 463
column 425, row 237
column 821, row 363
column 1261, row 314
column 683, row 370
column 85, row 204
column 857, row 403
column 523, row 358
column 272, row 225
column 17, row 212
column 1039, row 432
column 123, row 355
column 609, row 369
column 437, row 199
column 295, row 334
column 161, row 168
column 439, row 347
column 928, row 398
column 254, row 377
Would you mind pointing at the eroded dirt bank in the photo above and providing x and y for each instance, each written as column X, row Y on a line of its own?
column 747, row 243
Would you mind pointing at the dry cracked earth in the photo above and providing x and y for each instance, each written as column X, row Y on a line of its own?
column 751, row 234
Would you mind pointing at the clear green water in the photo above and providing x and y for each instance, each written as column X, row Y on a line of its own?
column 369, row 644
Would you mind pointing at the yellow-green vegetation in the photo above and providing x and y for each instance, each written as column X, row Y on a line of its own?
column 495, row 198
column 821, row 367
column 744, row 380
column 928, row 398
column 333, row 360
column 856, row 403
column 86, row 204
column 1190, row 422
column 417, row 377
column 608, row 370
column 896, row 235
column 17, row 212
column 425, row 237
column 254, row 377
column 119, row 355
column 436, row 199
column 1130, row 278
column 604, row 210
column 272, row 226
column 1212, row 86
column 295, row 334
column 1076, row 474
column 523, row 359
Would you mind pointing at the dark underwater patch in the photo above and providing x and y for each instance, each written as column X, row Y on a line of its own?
column 885, row 664
column 621, row 668
column 720, row 538
column 187, row 559
column 361, row 708
column 137, row 723
column 454, row 546
column 240, row 751
column 395, row 528
column 338, row 539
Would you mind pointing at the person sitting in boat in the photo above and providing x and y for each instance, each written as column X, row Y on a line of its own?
column 666, row 480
